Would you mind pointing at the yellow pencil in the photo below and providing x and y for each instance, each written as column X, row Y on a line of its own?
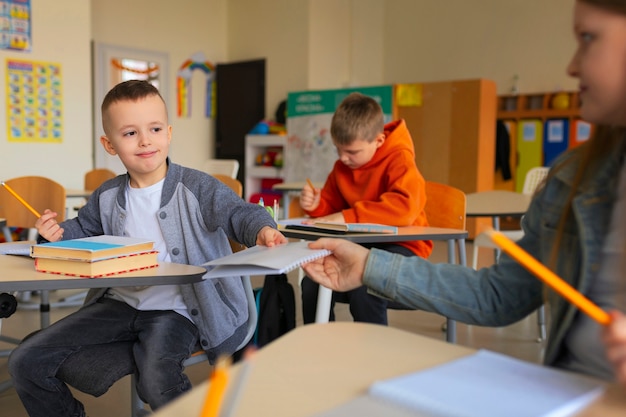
column 217, row 388
column 20, row 199
column 550, row 278
column 308, row 181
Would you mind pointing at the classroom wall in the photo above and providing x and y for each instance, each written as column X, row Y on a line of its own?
column 179, row 28
column 53, row 40
column 433, row 40
column 308, row 44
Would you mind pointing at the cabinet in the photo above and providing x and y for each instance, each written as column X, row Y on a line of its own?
column 259, row 145
column 541, row 127
column 452, row 124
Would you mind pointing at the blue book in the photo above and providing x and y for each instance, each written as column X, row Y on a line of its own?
column 92, row 248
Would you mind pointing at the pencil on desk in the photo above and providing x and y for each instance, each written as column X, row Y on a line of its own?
column 235, row 391
column 217, row 388
column 20, row 199
column 548, row 277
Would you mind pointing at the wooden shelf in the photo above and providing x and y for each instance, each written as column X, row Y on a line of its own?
column 537, row 106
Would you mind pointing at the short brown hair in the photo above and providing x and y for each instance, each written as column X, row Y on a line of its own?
column 131, row 90
column 358, row 116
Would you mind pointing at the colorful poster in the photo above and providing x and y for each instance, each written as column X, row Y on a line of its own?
column 15, row 25
column 34, row 101
column 310, row 152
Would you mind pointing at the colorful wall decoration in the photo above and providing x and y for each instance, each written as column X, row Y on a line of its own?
column 15, row 25
column 34, row 101
column 183, row 81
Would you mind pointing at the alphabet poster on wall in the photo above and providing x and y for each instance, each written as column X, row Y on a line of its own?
column 310, row 152
column 15, row 25
column 34, row 101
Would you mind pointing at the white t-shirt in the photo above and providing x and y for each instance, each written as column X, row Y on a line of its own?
column 142, row 206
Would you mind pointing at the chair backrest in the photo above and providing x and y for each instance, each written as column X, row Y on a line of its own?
column 39, row 192
column 534, row 177
column 229, row 167
column 445, row 206
column 95, row 178
column 233, row 183
column 294, row 208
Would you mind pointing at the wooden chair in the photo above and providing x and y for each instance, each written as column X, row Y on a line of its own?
column 95, row 178
column 137, row 405
column 228, row 167
column 41, row 193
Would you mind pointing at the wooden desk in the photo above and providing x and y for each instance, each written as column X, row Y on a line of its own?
column 17, row 273
column 315, row 368
column 496, row 204
column 404, row 234
column 77, row 193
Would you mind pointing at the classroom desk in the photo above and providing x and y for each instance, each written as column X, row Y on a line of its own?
column 291, row 187
column 404, row 234
column 18, row 274
column 496, row 204
column 77, row 193
column 315, row 368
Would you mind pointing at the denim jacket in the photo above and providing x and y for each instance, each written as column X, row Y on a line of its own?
column 505, row 293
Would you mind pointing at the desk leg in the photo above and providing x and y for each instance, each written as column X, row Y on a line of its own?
column 451, row 324
column 496, row 226
column 286, row 201
column 324, row 299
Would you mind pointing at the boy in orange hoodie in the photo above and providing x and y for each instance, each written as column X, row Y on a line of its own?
column 375, row 180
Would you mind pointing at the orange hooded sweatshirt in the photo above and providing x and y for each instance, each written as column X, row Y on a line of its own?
column 389, row 189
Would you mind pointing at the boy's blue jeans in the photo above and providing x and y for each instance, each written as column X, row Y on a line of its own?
column 94, row 347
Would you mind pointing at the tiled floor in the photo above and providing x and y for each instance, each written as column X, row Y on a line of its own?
column 519, row 340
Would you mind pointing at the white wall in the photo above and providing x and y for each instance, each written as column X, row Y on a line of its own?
column 55, row 40
column 179, row 28
column 434, row 40
column 307, row 44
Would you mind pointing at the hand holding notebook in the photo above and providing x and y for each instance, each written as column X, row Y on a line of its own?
column 263, row 260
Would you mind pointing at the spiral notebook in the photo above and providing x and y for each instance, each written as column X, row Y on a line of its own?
column 484, row 384
column 263, row 260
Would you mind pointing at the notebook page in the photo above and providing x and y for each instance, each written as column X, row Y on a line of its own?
column 489, row 384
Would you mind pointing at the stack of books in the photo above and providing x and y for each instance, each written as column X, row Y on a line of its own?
column 95, row 256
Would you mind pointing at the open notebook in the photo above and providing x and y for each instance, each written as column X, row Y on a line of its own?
column 262, row 260
column 484, row 384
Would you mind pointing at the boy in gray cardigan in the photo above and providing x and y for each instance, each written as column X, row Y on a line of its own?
column 148, row 331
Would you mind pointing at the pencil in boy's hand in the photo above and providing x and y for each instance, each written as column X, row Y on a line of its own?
column 217, row 387
column 308, row 181
column 20, row 199
column 548, row 277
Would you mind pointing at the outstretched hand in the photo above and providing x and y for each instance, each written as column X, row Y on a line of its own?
column 343, row 269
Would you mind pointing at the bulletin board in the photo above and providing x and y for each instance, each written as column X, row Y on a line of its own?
column 310, row 152
column 15, row 31
column 34, row 101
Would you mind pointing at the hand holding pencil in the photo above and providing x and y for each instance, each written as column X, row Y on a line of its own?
column 46, row 224
column 549, row 278
column 309, row 196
